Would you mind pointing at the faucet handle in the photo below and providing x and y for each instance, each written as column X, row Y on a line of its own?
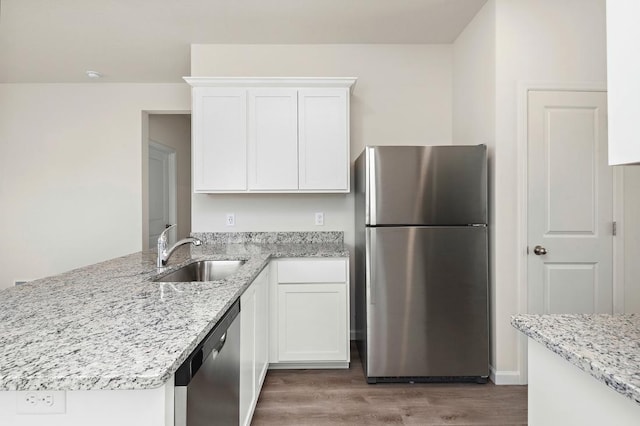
column 163, row 234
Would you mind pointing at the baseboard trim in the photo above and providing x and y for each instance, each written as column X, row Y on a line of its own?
column 308, row 365
column 504, row 377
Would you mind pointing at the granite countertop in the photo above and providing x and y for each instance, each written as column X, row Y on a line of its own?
column 109, row 326
column 605, row 346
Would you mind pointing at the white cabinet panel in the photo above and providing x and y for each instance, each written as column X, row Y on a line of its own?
column 254, row 343
column 262, row 328
column 273, row 139
column 248, row 395
column 323, row 133
column 559, row 393
column 219, row 139
column 623, row 84
column 312, row 323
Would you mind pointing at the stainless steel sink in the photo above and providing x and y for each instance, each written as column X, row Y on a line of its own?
column 203, row 270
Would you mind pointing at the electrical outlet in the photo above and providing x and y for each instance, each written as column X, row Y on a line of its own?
column 46, row 399
column 41, row 402
column 231, row 219
column 319, row 218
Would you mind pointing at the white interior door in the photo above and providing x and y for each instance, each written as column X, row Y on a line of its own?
column 570, row 204
column 162, row 191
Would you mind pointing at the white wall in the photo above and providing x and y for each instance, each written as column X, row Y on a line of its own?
column 126, row 407
column 174, row 131
column 70, row 172
column 474, row 109
column 541, row 41
column 474, row 73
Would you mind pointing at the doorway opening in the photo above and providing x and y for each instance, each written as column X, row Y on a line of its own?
column 166, row 175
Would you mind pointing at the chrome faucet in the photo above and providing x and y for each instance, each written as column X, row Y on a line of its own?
column 164, row 253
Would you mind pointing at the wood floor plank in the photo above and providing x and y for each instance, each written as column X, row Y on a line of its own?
column 342, row 397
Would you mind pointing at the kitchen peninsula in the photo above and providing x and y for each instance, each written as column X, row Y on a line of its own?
column 583, row 369
column 111, row 338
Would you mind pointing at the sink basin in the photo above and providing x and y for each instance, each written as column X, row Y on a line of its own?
column 203, row 270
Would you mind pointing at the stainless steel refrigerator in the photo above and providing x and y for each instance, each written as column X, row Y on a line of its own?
column 422, row 263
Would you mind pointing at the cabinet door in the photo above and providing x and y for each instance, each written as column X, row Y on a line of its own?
column 219, row 139
column 312, row 322
column 324, row 139
column 623, row 68
column 273, row 139
column 262, row 327
column 248, row 395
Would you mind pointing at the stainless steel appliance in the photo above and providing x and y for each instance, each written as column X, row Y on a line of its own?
column 421, row 263
column 207, row 385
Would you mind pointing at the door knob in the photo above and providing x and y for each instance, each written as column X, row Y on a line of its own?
column 539, row 251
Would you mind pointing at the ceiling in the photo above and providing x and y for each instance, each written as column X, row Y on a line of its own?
column 148, row 40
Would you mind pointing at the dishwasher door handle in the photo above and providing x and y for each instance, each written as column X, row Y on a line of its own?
column 216, row 350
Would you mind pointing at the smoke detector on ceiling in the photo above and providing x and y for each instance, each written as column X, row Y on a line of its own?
column 94, row 74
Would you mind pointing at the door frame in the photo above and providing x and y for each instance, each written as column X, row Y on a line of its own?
column 523, row 89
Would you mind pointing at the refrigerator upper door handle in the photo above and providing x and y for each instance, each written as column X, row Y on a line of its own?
column 371, row 185
column 370, row 254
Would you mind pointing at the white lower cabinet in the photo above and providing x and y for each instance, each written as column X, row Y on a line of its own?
column 254, row 341
column 295, row 314
column 311, row 313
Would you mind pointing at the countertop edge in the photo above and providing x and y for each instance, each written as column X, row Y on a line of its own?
column 592, row 367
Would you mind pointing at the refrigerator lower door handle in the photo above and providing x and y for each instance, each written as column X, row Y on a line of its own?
column 371, row 245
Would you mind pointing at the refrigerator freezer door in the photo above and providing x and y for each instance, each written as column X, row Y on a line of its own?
column 427, row 185
column 426, row 291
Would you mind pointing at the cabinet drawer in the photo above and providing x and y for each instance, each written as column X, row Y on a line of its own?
column 312, row 271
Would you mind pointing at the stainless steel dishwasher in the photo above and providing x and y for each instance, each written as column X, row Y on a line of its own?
column 207, row 384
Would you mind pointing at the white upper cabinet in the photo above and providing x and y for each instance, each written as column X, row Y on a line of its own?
column 271, row 134
column 323, row 136
column 219, row 142
column 623, row 81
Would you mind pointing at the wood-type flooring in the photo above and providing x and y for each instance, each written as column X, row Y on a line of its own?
column 342, row 397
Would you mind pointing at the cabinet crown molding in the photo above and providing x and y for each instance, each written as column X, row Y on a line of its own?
column 346, row 82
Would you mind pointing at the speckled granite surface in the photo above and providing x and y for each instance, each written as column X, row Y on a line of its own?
column 109, row 326
column 605, row 346
column 335, row 237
